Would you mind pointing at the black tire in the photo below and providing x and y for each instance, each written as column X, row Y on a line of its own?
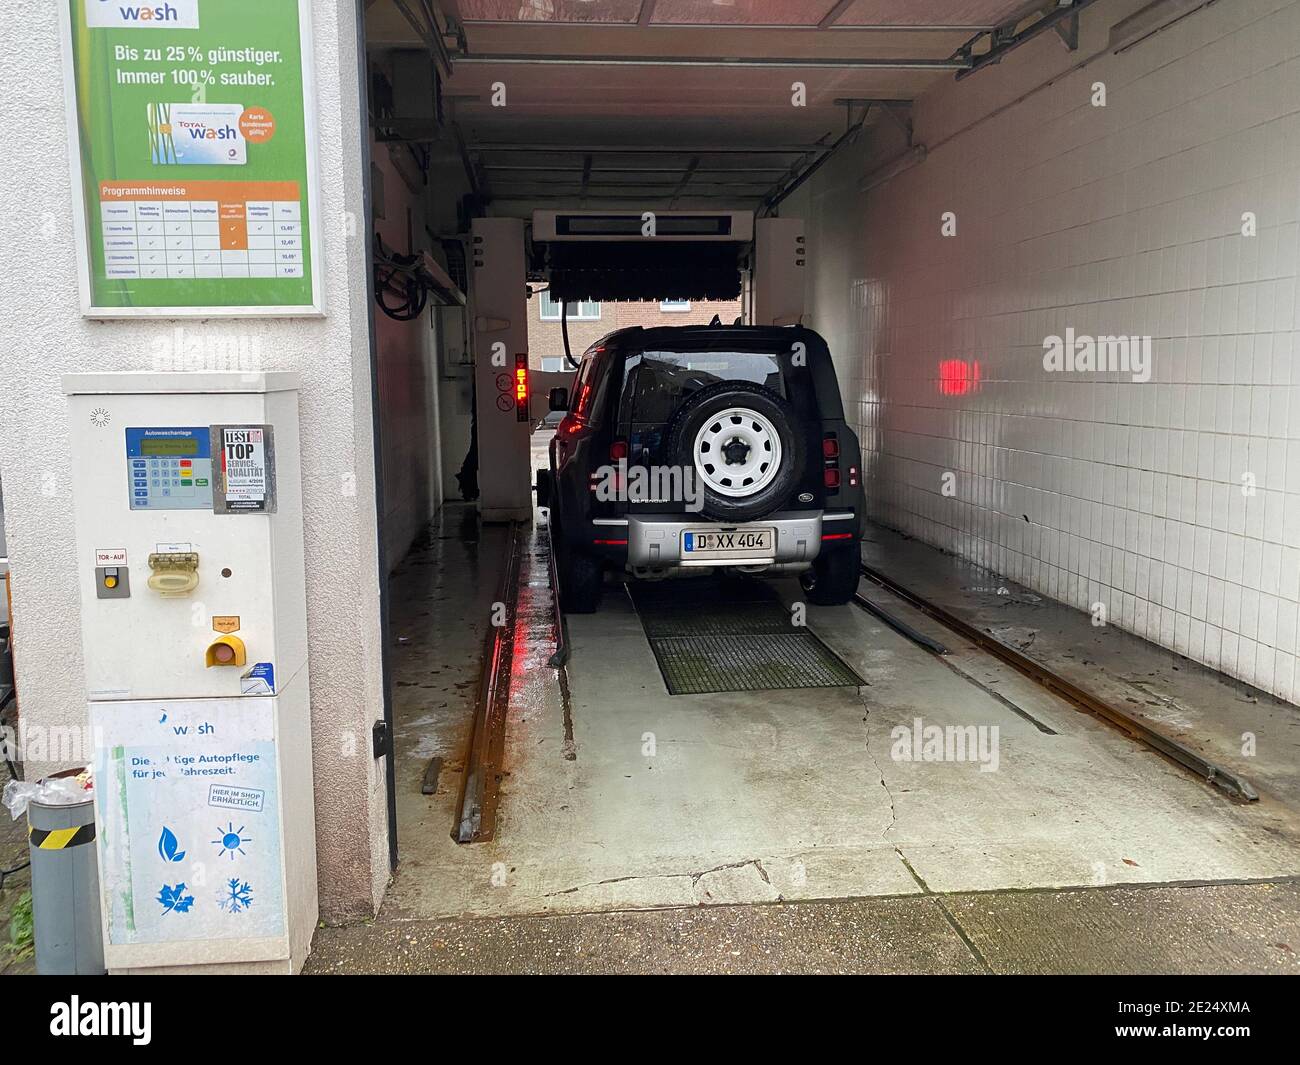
column 834, row 576
column 581, row 578
column 694, row 415
column 581, row 582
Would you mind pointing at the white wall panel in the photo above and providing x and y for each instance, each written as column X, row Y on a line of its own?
column 1125, row 219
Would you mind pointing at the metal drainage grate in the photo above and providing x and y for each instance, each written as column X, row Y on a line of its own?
column 713, row 635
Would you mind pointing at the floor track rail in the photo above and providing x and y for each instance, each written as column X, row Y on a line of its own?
column 476, row 813
column 899, row 625
column 561, row 655
column 1137, row 729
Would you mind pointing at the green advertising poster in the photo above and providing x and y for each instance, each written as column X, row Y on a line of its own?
column 194, row 154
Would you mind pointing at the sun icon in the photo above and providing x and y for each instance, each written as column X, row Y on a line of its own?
column 99, row 417
column 232, row 840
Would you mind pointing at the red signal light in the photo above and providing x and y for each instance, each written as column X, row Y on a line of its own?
column 521, row 387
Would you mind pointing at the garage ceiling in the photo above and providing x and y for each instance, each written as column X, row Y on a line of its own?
column 673, row 102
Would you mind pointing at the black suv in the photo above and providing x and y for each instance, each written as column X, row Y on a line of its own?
column 701, row 447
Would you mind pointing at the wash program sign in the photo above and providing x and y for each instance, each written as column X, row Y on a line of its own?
column 195, row 167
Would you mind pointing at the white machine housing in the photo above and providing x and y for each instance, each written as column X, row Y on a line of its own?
column 499, row 305
column 199, row 698
column 777, row 283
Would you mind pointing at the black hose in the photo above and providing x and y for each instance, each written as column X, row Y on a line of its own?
column 564, row 331
column 416, row 296
column 405, row 278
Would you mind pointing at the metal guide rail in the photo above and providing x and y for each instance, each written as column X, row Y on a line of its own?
column 1211, row 772
column 476, row 813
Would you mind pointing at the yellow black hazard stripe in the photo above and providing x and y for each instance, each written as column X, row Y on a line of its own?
column 57, row 839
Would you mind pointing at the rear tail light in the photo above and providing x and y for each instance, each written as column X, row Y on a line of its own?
column 831, row 461
column 618, row 450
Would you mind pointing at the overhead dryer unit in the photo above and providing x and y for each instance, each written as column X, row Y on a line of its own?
column 661, row 255
column 709, row 226
column 189, row 556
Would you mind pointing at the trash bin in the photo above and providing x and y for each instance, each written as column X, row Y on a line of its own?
column 65, row 888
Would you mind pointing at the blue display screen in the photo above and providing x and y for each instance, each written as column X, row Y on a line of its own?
column 169, row 468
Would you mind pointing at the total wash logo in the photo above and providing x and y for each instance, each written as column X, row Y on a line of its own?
column 197, row 131
column 116, row 14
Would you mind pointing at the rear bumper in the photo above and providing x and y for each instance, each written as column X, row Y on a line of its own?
column 655, row 541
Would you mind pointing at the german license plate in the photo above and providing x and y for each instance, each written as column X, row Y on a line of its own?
column 731, row 543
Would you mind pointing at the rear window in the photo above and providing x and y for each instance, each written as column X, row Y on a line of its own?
column 663, row 380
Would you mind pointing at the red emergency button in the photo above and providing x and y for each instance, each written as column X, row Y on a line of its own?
column 226, row 651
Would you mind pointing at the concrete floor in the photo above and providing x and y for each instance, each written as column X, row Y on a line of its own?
column 637, row 800
column 1212, row 929
column 1185, row 700
column 441, row 603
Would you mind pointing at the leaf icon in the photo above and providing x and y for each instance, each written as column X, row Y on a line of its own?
column 168, row 847
column 174, row 899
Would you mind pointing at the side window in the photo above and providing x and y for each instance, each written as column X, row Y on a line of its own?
column 548, row 309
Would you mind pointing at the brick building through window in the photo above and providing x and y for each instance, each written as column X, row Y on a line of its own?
column 589, row 321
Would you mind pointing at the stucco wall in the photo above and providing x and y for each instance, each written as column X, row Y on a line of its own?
column 43, row 335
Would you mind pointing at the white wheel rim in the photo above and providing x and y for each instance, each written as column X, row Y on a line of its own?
column 737, row 452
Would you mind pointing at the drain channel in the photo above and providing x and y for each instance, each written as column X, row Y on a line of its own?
column 712, row 634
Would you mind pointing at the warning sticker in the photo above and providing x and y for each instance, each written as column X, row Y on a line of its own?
column 225, row 623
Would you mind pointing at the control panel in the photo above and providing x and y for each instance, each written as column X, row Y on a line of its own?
column 189, row 552
column 170, row 468
column 191, row 569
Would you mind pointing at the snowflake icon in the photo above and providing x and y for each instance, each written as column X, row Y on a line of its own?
column 236, row 896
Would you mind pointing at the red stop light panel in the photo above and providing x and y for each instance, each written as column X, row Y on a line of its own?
column 521, row 387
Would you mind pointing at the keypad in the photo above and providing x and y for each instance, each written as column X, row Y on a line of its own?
column 169, row 482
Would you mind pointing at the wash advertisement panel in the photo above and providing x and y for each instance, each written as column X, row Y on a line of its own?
column 194, row 169
column 188, row 800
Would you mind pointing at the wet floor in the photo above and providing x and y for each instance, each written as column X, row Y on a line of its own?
column 626, row 797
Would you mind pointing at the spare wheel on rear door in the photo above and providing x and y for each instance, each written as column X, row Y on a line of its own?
column 745, row 445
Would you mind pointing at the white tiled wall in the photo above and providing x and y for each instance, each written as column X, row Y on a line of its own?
column 1123, row 219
